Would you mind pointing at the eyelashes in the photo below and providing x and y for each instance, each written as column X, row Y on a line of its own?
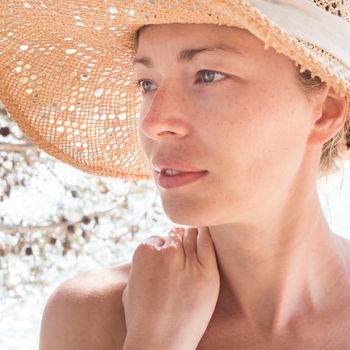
column 140, row 82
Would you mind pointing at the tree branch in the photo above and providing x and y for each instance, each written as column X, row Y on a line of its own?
column 16, row 147
column 13, row 229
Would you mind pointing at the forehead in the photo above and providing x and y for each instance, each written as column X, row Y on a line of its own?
column 163, row 45
column 183, row 42
column 188, row 40
column 178, row 33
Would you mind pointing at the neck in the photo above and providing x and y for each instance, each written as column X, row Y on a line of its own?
column 278, row 269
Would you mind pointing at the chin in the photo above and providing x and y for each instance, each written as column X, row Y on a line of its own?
column 185, row 216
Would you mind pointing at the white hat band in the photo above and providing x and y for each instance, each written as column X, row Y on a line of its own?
column 304, row 20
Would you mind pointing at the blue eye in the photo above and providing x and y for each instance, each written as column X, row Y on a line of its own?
column 142, row 84
column 210, row 75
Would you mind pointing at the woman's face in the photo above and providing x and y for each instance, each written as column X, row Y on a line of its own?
column 238, row 113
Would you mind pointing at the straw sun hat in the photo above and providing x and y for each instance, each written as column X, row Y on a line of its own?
column 66, row 73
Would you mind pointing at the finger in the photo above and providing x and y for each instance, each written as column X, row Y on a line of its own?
column 176, row 233
column 205, row 248
column 173, row 238
column 190, row 242
column 155, row 240
column 176, row 230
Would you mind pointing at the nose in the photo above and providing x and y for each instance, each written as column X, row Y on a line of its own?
column 166, row 115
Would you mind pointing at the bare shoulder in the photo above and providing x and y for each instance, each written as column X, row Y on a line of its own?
column 86, row 312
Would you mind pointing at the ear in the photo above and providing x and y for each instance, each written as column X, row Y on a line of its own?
column 331, row 119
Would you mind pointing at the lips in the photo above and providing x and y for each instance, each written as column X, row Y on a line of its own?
column 171, row 181
column 179, row 172
column 160, row 163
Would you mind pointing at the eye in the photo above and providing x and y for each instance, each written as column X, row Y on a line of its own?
column 208, row 76
column 143, row 84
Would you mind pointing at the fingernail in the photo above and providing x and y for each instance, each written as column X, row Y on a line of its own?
column 155, row 240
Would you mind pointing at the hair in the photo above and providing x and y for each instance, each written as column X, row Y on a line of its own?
column 332, row 149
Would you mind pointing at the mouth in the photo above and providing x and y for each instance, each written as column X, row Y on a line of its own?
column 168, row 178
column 176, row 172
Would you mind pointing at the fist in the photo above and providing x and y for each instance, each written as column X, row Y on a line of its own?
column 173, row 288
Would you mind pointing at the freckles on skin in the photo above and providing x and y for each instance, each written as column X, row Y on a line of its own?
column 249, row 133
column 263, row 132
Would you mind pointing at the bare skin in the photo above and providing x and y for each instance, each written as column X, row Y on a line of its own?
column 284, row 276
column 273, row 243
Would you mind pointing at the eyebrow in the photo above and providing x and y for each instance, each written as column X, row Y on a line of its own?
column 187, row 55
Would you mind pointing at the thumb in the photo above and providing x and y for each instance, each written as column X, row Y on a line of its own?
column 205, row 248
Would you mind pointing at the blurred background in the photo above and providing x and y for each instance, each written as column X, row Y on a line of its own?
column 56, row 222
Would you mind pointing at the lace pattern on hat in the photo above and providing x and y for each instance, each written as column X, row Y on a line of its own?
column 339, row 8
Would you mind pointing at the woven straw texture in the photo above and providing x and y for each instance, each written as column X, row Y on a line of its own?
column 66, row 71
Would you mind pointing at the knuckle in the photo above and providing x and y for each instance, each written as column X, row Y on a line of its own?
column 175, row 238
column 139, row 251
column 187, row 237
column 176, row 233
column 190, row 233
column 165, row 245
column 176, row 230
column 191, row 230
column 143, row 248
column 170, row 249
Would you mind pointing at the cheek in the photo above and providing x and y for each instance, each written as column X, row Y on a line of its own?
column 259, row 140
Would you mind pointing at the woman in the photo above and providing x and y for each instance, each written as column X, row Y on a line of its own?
column 260, row 267
column 283, row 273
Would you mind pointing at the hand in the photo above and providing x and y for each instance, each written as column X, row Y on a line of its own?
column 172, row 290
